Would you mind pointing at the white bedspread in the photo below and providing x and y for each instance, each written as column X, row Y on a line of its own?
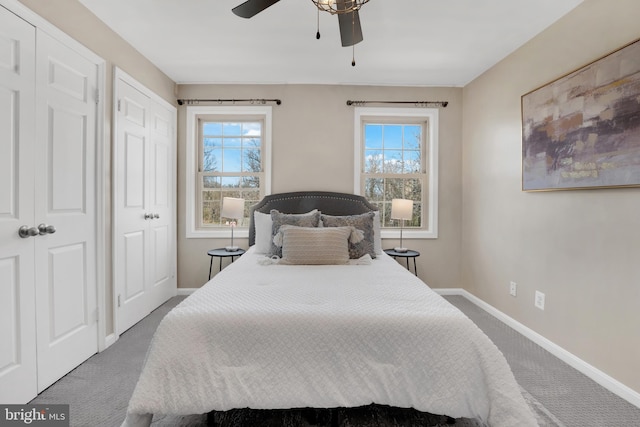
column 283, row 336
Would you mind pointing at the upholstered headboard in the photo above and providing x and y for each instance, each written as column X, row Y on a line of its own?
column 305, row 201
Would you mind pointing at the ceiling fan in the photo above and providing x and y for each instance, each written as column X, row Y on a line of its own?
column 347, row 11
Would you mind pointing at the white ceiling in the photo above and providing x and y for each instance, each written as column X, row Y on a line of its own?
column 406, row 42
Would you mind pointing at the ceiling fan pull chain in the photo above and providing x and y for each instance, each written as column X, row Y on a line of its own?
column 353, row 37
column 318, row 32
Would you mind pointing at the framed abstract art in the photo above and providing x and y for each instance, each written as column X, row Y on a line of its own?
column 582, row 131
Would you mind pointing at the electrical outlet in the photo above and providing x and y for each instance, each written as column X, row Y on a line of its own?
column 513, row 289
column 539, row 301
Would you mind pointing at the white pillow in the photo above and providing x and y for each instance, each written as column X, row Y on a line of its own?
column 377, row 238
column 262, row 223
column 315, row 246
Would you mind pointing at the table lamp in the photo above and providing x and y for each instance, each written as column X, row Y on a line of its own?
column 233, row 209
column 401, row 209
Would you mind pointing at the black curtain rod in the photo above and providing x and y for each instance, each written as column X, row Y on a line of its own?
column 220, row 101
column 416, row 103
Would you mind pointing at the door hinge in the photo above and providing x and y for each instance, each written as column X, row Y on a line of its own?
column 119, row 301
column 119, row 105
column 97, row 96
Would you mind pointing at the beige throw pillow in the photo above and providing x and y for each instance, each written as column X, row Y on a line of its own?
column 315, row 246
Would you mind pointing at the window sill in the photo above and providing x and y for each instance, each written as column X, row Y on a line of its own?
column 408, row 234
column 223, row 233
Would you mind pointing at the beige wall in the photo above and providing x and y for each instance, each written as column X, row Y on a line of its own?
column 74, row 19
column 313, row 150
column 578, row 247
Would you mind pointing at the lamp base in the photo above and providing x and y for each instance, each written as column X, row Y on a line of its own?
column 231, row 248
column 400, row 250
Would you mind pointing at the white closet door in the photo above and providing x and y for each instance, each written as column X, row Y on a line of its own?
column 162, row 233
column 144, row 202
column 131, row 194
column 65, row 189
column 17, row 309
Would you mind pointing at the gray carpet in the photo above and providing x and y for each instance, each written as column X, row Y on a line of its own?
column 98, row 391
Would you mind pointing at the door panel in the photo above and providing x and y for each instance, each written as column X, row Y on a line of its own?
column 18, row 380
column 68, row 162
column 134, row 274
column 134, row 160
column 68, row 303
column 66, row 290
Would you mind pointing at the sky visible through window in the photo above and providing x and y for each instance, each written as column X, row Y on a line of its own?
column 231, row 147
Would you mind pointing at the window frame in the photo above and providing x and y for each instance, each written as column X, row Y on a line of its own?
column 362, row 115
column 192, row 159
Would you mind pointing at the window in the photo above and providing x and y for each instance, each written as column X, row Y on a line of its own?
column 228, row 155
column 396, row 157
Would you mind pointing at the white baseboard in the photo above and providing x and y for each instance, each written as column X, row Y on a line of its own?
column 572, row 360
column 110, row 340
column 186, row 291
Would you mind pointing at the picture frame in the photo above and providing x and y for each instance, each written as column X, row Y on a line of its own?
column 582, row 130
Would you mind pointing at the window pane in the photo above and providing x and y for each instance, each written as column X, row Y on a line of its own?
column 250, row 182
column 392, row 136
column 417, row 214
column 412, row 137
column 211, row 160
column 412, row 163
column 386, row 217
column 412, row 189
column 251, row 142
column 252, row 128
column 251, row 160
column 212, row 128
column 374, row 189
column 373, row 161
column 210, row 213
column 393, row 188
column 231, row 160
column 211, row 182
column 372, row 136
column 230, row 182
column 392, row 161
column 232, row 129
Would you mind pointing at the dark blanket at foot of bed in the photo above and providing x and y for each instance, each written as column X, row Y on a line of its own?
column 364, row 416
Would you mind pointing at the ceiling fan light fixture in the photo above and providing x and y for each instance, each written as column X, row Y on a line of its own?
column 339, row 6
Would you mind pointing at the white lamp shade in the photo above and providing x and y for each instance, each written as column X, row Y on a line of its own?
column 401, row 209
column 232, row 208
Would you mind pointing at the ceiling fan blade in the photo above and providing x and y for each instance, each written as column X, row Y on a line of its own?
column 252, row 7
column 350, row 29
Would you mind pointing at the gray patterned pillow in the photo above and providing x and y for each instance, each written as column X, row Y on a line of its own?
column 309, row 219
column 362, row 222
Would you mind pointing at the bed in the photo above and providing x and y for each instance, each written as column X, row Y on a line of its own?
column 265, row 334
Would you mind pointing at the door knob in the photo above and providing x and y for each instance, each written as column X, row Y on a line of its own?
column 148, row 216
column 46, row 229
column 25, row 231
column 156, row 216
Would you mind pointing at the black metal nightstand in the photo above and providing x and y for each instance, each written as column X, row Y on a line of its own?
column 222, row 253
column 408, row 254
